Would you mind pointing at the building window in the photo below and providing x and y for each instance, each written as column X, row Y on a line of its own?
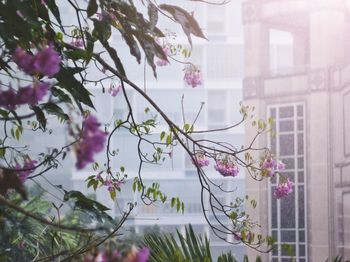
column 287, row 220
column 216, row 20
column 346, row 223
column 281, row 52
column 217, row 113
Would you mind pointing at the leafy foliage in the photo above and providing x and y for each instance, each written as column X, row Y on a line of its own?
column 166, row 247
column 24, row 239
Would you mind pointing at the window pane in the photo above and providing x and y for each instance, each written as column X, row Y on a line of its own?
column 288, row 211
column 273, row 143
column 287, row 111
column 273, row 210
column 286, row 126
column 300, row 125
column 275, row 235
column 300, row 162
column 300, row 144
column 290, row 175
column 300, row 110
column 288, row 252
column 288, row 236
column 301, row 177
column 273, row 112
column 301, row 250
column 301, row 207
column 289, row 162
column 286, row 145
column 301, row 235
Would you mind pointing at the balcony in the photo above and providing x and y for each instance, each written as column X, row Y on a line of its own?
column 278, row 13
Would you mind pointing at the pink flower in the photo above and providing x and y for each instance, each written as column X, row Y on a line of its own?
column 92, row 142
column 163, row 62
column 29, row 166
column 114, row 91
column 8, row 99
column 143, row 254
column 32, row 94
column 193, row 76
column 283, row 189
column 78, row 42
column 270, row 166
column 24, row 60
column 201, row 160
column 45, row 62
column 25, row 95
column 109, row 184
column 226, row 167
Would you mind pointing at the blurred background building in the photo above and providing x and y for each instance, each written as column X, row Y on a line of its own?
column 221, row 62
column 292, row 59
column 296, row 70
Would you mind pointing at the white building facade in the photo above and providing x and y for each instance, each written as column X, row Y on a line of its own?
column 221, row 62
column 296, row 71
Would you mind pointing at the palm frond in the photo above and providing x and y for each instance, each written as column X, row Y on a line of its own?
column 186, row 248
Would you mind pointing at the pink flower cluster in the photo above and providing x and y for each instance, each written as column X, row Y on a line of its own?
column 111, row 185
column 45, row 62
column 193, row 76
column 226, row 167
column 162, row 62
column 77, row 42
column 28, row 168
column 92, row 142
column 25, row 95
column 114, row 91
column 283, row 189
column 201, row 160
column 270, row 166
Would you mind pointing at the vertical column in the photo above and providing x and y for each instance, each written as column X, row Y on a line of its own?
column 301, row 48
column 326, row 50
column 256, row 65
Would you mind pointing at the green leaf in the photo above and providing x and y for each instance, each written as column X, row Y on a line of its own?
column 92, row 8
column 61, row 95
column 112, row 194
column 152, row 14
column 40, row 116
column 162, row 135
column 4, row 113
column 90, row 183
column 2, row 151
column 89, row 44
column 78, row 54
column 67, row 81
column 168, row 140
column 173, row 202
column 114, row 55
column 187, row 127
column 83, row 202
column 53, row 109
column 134, row 186
column 178, row 204
column 54, row 10
column 186, row 20
column 102, row 30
